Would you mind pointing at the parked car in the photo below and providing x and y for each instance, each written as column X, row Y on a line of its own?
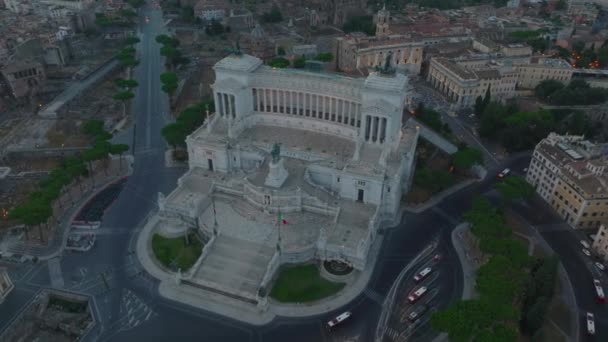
column 586, row 252
column 600, row 266
column 585, row 244
column 590, row 324
column 504, row 173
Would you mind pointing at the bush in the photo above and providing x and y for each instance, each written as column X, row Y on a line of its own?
column 279, row 62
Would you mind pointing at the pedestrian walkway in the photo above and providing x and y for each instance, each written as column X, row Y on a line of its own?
column 468, row 267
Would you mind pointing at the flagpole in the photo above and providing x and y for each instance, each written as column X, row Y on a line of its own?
column 214, row 216
column 279, row 229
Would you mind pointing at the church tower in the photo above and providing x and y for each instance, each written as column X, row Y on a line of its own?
column 382, row 21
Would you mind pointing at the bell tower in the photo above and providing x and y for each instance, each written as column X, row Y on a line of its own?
column 382, row 21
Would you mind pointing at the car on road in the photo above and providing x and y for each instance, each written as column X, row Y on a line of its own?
column 525, row 169
column 590, row 323
column 147, row 19
column 585, row 244
column 437, row 257
column 417, row 313
column 416, row 294
column 600, row 266
column 586, row 252
column 504, row 173
column 599, row 291
column 422, row 274
column 338, row 319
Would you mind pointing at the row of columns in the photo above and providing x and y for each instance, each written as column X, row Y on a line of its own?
column 375, row 129
column 306, row 104
column 226, row 105
column 445, row 86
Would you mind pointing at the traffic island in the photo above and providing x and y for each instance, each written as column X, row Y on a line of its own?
column 177, row 253
column 301, row 284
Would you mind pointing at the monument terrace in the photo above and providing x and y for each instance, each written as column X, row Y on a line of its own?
column 326, row 154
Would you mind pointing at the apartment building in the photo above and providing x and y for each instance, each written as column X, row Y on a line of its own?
column 568, row 172
column 462, row 85
column 541, row 69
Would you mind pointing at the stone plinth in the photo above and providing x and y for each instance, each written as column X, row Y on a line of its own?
column 277, row 174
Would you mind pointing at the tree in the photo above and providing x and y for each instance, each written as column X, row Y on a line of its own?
column 119, row 149
column 136, row 3
column 324, row 57
column 465, row 158
column 174, row 134
column 214, row 28
column 131, row 40
column 128, row 13
column 126, row 84
column 546, row 88
column 76, row 168
column 274, row 16
column 561, row 5
column 299, row 62
column 360, row 24
column 515, row 188
column 167, row 40
column 168, row 77
column 487, row 98
column 281, row 51
column 187, row 14
column 478, row 109
column 578, row 46
column 279, row 62
column 123, row 97
column 93, row 127
column 102, row 20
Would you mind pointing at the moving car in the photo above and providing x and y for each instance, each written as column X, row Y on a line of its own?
column 437, row 257
column 586, row 252
column 338, row 319
column 417, row 313
column 422, row 274
column 504, row 173
column 416, row 294
column 599, row 291
column 600, row 266
column 590, row 324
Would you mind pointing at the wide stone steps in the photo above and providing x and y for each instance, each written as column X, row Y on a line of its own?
column 234, row 266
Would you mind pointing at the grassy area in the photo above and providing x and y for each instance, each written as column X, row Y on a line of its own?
column 174, row 253
column 302, row 283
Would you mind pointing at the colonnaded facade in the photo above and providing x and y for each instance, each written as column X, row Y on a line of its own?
column 294, row 166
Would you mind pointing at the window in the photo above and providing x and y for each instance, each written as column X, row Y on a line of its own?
column 338, row 180
column 361, row 183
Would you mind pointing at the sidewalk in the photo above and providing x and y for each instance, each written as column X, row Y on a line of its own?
column 468, row 268
column 416, row 209
column 236, row 309
column 59, row 236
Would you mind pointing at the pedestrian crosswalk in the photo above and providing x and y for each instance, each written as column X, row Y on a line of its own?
column 55, row 273
column 392, row 334
column 375, row 296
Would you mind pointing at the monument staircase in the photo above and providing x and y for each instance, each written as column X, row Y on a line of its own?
column 234, row 267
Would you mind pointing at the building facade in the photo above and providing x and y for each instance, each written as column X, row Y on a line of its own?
column 461, row 85
column 367, row 160
column 530, row 75
column 24, row 79
column 568, row 172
